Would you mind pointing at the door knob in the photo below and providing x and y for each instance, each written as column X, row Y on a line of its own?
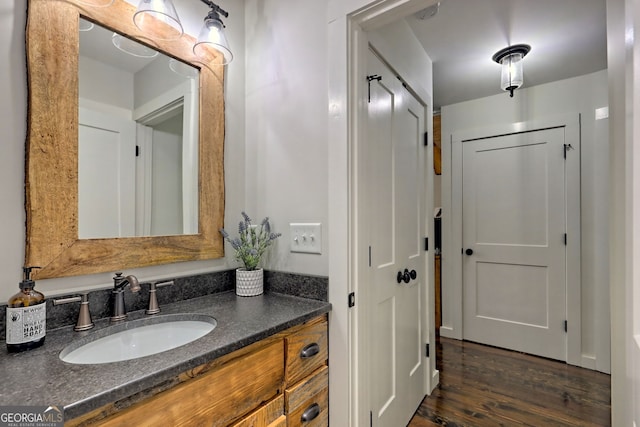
column 413, row 274
column 403, row 277
column 469, row 252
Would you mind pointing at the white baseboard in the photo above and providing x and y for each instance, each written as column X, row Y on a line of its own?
column 448, row 332
column 435, row 379
column 588, row 362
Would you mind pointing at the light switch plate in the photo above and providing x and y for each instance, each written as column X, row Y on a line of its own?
column 306, row 237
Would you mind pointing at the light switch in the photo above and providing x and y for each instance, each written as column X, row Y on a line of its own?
column 306, row 237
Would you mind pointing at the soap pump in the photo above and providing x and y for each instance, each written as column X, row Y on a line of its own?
column 26, row 316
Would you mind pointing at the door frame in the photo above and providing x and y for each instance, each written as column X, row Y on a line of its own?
column 452, row 238
column 358, row 24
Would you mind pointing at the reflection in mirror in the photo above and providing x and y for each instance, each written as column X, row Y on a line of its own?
column 138, row 139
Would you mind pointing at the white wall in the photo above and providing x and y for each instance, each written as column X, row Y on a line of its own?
column 623, row 17
column 13, row 116
column 105, row 84
column 154, row 79
column 286, row 129
column 582, row 95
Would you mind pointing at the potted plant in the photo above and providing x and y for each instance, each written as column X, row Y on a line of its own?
column 250, row 246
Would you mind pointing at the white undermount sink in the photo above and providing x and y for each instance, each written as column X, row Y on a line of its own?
column 138, row 338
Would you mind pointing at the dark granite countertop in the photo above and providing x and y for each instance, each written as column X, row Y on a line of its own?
column 39, row 377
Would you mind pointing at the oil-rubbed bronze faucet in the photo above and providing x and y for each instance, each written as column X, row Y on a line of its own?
column 118, row 312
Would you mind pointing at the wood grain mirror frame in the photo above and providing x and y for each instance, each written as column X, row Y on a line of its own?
column 51, row 175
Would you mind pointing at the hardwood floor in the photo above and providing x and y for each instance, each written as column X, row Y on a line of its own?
column 486, row 386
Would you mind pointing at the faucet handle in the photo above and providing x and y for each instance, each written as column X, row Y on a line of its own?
column 154, row 308
column 84, row 322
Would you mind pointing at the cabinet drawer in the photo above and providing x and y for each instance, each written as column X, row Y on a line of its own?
column 306, row 351
column 311, row 397
column 280, row 422
column 213, row 398
column 267, row 416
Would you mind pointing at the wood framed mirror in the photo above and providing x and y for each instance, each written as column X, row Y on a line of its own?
column 51, row 175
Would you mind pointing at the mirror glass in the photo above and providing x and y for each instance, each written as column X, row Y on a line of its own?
column 137, row 139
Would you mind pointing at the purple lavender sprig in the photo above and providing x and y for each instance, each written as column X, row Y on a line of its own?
column 252, row 242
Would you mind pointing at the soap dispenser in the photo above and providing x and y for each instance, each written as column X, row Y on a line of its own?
column 26, row 316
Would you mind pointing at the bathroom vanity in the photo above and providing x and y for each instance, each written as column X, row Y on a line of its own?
column 264, row 364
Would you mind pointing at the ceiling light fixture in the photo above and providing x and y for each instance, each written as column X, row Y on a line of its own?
column 212, row 34
column 510, row 58
column 159, row 19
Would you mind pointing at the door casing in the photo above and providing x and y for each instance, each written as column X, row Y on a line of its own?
column 359, row 23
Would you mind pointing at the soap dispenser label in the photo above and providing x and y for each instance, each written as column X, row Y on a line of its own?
column 26, row 324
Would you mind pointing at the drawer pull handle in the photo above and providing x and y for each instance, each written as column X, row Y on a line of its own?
column 310, row 350
column 311, row 413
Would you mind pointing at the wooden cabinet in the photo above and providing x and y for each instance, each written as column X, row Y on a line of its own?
column 307, row 402
column 269, row 415
column 281, row 381
column 307, row 350
column 307, row 376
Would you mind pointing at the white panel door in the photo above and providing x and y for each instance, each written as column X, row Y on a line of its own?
column 106, row 175
column 396, row 188
column 514, row 225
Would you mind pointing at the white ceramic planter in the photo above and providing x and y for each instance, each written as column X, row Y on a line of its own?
column 249, row 283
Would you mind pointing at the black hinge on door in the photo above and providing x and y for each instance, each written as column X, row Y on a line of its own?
column 352, row 299
column 567, row 147
column 369, row 256
column 137, row 151
column 426, row 244
column 427, row 350
column 565, row 239
column 426, row 139
column 370, row 79
column 370, row 418
column 566, row 326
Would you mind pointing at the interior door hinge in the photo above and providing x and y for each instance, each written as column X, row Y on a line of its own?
column 370, row 418
column 426, row 139
column 352, row 299
column 427, row 350
column 426, row 244
column 567, row 147
column 565, row 239
column 137, row 151
column 371, row 78
column 566, row 326
column 369, row 256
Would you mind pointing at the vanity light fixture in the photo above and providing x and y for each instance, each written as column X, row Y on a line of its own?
column 85, row 25
column 212, row 34
column 182, row 69
column 132, row 47
column 152, row 12
column 510, row 58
